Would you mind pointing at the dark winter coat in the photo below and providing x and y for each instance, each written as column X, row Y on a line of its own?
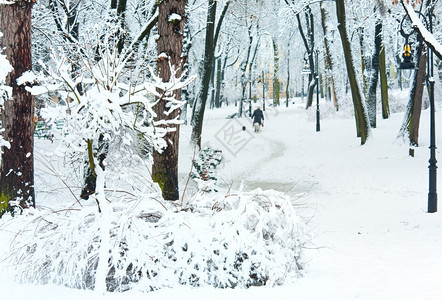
column 258, row 116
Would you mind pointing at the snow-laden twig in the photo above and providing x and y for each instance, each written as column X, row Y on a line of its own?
column 417, row 24
column 248, row 239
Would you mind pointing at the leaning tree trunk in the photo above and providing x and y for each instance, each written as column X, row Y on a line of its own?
column 170, row 42
column 309, row 46
column 384, row 83
column 359, row 107
column 17, row 164
column 329, row 63
column 371, row 95
column 200, row 104
column 411, row 122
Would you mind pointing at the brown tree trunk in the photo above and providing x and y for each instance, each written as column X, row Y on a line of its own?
column 359, row 107
column 17, row 164
column 411, row 122
column 170, row 42
column 384, row 83
column 200, row 104
column 329, row 63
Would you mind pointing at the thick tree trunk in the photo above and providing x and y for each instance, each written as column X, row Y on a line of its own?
column 411, row 122
column 359, row 107
column 384, row 83
column 169, row 42
column 17, row 164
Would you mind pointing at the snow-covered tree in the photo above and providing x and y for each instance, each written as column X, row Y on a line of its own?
column 17, row 163
column 171, row 19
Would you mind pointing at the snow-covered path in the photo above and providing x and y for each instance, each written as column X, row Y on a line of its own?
column 365, row 207
column 365, row 204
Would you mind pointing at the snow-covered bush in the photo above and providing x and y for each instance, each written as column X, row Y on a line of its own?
column 238, row 240
column 107, row 112
column 103, row 100
column 204, row 169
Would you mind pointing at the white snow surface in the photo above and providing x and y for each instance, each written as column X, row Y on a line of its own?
column 365, row 206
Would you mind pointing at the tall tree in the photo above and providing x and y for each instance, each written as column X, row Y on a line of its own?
column 17, row 164
column 276, row 87
column 212, row 36
column 362, row 123
column 384, row 83
column 328, row 60
column 200, row 105
column 374, row 77
column 171, row 19
column 243, row 68
column 410, row 125
column 309, row 43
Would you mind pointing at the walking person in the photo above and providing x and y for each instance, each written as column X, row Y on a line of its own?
column 258, row 118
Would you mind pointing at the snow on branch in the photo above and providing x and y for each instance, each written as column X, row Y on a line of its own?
column 237, row 240
column 427, row 36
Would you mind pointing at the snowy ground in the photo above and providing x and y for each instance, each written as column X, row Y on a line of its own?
column 365, row 206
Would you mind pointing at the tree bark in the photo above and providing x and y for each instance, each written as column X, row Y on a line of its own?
column 363, row 62
column 384, row 83
column 309, row 46
column 17, row 164
column 288, row 79
column 275, row 73
column 169, row 42
column 121, row 14
column 371, row 95
column 198, row 115
column 411, row 122
column 218, row 83
column 243, row 68
column 359, row 107
column 328, row 60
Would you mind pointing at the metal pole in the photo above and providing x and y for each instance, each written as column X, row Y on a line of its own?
column 318, row 126
column 432, row 193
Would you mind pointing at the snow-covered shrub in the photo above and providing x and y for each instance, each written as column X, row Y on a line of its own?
column 204, row 169
column 106, row 110
column 237, row 240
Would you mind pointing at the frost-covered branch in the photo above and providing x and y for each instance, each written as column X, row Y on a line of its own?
column 417, row 24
